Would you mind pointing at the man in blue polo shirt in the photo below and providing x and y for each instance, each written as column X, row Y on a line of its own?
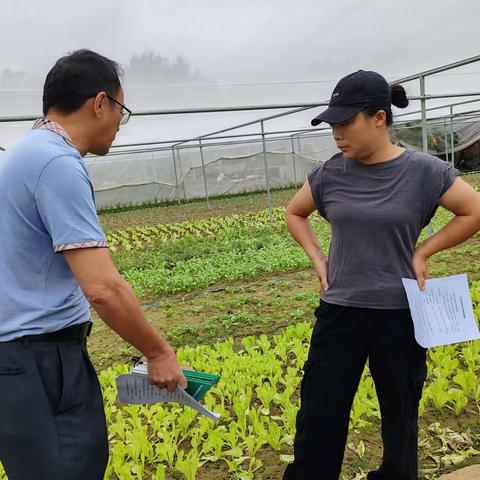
column 53, row 263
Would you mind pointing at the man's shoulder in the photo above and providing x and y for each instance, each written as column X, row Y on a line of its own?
column 40, row 146
column 39, row 155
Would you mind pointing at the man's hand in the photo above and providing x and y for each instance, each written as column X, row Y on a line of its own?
column 320, row 264
column 164, row 371
column 144, row 359
column 419, row 263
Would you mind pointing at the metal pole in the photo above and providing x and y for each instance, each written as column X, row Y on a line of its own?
column 204, row 173
column 181, row 172
column 267, row 183
column 452, row 146
column 298, row 107
column 443, row 68
column 423, row 103
column 294, row 166
column 424, row 115
column 445, row 140
column 177, row 143
column 176, row 175
column 251, row 122
column 301, row 165
column 299, row 133
column 439, row 107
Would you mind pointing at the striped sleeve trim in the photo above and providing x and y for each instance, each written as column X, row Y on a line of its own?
column 87, row 244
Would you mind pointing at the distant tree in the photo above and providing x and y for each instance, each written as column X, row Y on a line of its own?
column 14, row 80
column 152, row 69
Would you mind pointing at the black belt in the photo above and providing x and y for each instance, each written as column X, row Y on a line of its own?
column 75, row 332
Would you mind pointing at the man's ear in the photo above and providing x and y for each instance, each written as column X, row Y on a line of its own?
column 99, row 103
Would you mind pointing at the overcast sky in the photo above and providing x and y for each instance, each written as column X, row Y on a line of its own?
column 251, row 50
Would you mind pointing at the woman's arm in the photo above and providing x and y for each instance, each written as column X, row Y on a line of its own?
column 462, row 200
column 298, row 224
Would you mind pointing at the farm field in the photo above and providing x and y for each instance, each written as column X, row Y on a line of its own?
column 235, row 295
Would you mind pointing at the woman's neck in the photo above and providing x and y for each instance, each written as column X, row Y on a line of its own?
column 382, row 153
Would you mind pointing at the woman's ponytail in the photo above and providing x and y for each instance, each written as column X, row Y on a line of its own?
column 399, row 96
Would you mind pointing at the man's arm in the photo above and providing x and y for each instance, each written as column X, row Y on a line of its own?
column 114, row 301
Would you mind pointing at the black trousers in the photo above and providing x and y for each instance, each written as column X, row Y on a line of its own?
column 342, row 340
column 52, row 421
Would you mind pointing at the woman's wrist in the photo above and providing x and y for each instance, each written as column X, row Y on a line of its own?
column 422, row 251
column 317, row 256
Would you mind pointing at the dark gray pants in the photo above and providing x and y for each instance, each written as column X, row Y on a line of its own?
column 52, row 421
column 342, row 340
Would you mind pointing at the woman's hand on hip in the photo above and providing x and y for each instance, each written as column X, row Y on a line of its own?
column 419, row 264
column 320, row 264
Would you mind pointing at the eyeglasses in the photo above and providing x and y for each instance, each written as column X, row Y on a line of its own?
column 125, row 111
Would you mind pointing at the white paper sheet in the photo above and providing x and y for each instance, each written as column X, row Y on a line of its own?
column 135, row 388
column 443, row 313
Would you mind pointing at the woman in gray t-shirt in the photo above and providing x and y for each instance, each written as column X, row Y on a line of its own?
column 377, row 198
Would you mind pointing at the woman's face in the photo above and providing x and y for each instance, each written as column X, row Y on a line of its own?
column 359, row 137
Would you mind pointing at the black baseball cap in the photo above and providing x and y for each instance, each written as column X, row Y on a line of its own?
column 354, row 93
